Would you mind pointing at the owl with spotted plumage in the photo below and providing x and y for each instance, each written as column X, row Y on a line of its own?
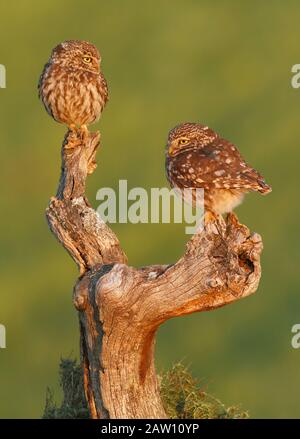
column 72, row 86
column 197, row 157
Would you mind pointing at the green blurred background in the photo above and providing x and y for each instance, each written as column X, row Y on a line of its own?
column 224, row 63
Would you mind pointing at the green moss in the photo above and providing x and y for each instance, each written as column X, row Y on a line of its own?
column 74, row 404
column 183, row 398
column 181, row 395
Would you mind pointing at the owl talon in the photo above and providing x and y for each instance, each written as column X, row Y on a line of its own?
column 72, row 127
column 84, row 132
column 232, row 218
column 91, row 167
column 80, row 133
column 210, row 217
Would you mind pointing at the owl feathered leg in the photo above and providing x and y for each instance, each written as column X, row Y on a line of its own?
column 84, row 131
column 210, row 216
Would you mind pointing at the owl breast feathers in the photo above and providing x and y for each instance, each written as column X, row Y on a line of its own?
column 197, row 157
column 71, row 86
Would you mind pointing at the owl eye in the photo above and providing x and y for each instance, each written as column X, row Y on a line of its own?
column 183, row 141
column 87, row 59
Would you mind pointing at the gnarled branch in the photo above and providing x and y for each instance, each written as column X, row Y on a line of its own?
column 121, row 307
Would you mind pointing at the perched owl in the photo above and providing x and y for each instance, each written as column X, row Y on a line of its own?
column 72, row 87
column 196, row 157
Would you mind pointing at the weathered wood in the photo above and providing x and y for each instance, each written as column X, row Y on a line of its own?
column 72, row 220
column 120, row 307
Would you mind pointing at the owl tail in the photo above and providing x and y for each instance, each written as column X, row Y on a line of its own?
column 264, row 188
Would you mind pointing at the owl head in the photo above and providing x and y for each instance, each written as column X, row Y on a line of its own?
column 77, row 55
column 189, row 135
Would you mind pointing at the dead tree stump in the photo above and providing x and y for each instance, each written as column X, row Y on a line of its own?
column 121, row 307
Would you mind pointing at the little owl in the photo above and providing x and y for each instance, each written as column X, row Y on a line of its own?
column 196, row 157
column 71, row 86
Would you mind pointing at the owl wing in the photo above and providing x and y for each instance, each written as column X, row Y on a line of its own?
column 104, row 87
column 44, row 88
column 218, row 165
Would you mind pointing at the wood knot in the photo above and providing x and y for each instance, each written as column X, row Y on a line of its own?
column 80, row 294
column 214, row 283
column 113, row 286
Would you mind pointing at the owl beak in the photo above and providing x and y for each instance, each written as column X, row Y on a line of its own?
column 172, row 150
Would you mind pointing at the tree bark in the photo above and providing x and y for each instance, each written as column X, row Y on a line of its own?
column 120, row 307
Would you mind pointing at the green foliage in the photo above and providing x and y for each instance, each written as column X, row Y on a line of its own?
column 74, row 404
column 180, row 392
column 184, row 399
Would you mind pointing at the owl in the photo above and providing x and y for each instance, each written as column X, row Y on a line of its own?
column 72, row 87
column 197, row 157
